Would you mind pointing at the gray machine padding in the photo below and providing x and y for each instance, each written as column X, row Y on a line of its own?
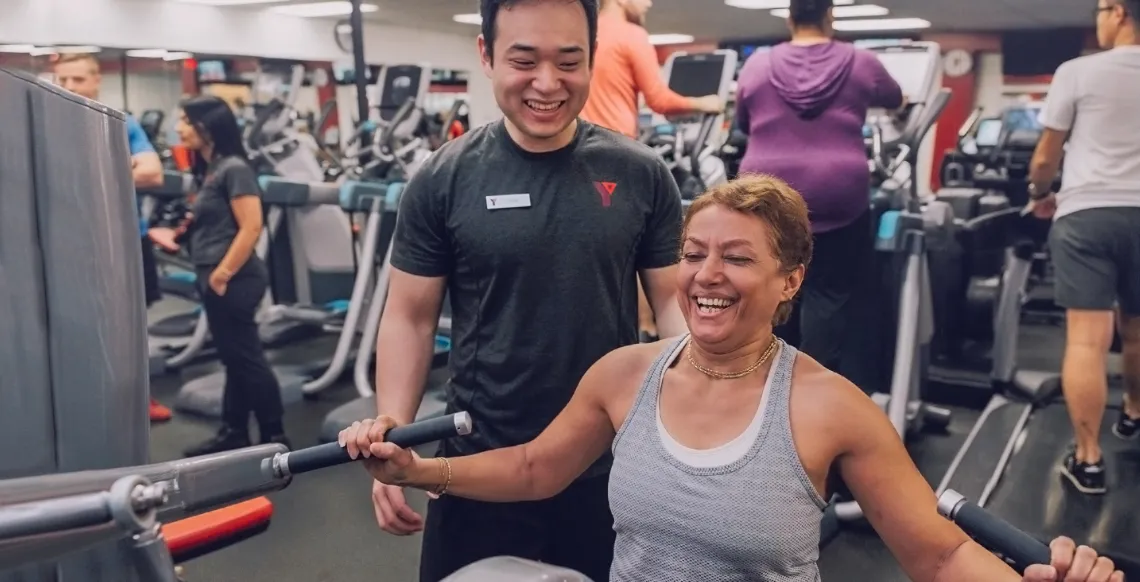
column 73, row 392
column 281, row 192
column 203, row 396
column 342, row 417
column 358, row 196
column 511, row 569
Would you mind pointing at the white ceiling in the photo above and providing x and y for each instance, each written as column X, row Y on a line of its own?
column 713, row 20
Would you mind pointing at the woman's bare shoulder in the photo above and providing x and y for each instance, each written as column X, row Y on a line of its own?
column 826, row 396
column 633, row 361
column 619, row 374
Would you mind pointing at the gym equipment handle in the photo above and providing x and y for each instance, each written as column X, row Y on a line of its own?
column 411, row 435
column 993, row 532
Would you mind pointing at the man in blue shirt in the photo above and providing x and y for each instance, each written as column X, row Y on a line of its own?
column 80, row 74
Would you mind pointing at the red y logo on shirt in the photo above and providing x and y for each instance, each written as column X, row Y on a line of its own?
column 606, row 190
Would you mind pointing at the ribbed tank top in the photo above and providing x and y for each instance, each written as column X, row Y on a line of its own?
column 754, row 519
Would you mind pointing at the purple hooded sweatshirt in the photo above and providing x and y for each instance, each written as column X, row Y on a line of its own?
column 803, row 108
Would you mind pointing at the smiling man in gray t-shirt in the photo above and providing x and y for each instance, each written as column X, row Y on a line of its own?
column 1094, row 103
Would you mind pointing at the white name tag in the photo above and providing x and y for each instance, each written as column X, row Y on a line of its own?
column 508, row 201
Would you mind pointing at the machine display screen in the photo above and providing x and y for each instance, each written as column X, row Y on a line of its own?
column 910, row 69
column 213, row 71
column 697, row 76
column 988, row 133
column 401, row 82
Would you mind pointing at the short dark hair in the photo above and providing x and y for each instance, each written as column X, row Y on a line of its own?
column 809, row 12
column 1132, row 8
column 489, row 11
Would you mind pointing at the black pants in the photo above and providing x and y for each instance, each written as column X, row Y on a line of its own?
column 151, row 289
column 251, row 385
column 834, row 319
column 573, row 530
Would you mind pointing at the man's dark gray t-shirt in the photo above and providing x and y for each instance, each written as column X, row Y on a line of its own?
column 541, row 253
column 214, row 226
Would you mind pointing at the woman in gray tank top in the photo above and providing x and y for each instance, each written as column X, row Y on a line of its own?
column 723, row 439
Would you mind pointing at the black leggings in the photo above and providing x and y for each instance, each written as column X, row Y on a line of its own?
column 834, row 319
column 251, row 385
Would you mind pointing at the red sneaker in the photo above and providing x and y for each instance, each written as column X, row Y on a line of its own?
column 158, row 412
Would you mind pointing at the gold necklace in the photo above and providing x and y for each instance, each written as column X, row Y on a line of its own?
column 732, row 375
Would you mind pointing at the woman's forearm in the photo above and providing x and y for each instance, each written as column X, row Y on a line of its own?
column 971, row 562
column 240, row 250
column 501, row 475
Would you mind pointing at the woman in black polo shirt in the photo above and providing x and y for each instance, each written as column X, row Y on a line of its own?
column 226, row 223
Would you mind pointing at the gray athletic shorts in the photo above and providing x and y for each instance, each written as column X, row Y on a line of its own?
column 1096, row 259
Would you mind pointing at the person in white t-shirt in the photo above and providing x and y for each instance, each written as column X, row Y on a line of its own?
column 1094, row 104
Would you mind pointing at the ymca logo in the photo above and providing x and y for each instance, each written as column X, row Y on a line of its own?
column 606, row 190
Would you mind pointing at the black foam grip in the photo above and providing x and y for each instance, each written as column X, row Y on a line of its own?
column 410, row 435
column 999, row 536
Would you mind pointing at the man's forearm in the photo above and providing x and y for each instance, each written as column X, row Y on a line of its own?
column 404, row 351
column 145, row 178
column 1042, row 173
column 146, row 171
column 670, row 321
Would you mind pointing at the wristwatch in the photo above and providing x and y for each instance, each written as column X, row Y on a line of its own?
column 1033, row 194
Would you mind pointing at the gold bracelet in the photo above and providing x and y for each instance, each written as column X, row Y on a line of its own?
column 444, row 475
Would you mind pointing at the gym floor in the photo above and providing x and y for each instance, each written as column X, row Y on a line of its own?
column 324, row 528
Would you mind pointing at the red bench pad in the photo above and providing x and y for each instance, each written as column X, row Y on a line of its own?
column 208, row 532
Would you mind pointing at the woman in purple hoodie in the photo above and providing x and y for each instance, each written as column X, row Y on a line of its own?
column 803, row 105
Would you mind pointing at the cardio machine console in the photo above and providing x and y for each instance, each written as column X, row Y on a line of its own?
column 916, row 67
column 699, row 75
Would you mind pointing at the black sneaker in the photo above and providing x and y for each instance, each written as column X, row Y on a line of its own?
column 227, row 439
column 278, row 439
column 1088, row 478
column 1126, row 428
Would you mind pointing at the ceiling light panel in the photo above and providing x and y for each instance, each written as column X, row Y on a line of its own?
column 230, row 2
column 857, row 11
column 468, row 19
column 322, row 9
column 875, row 24
column 670, row 38
column 773, row 4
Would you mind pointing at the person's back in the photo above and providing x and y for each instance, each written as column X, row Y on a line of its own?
column 1102, row 160
column 803, row 108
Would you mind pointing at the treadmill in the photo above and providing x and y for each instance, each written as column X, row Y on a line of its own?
column 690, row 143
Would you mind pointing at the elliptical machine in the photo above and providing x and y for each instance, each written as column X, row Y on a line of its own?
column 694, row 162
column 906, row 225
column 690, row 144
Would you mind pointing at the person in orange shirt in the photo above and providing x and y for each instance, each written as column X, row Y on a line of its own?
column 624, row 66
